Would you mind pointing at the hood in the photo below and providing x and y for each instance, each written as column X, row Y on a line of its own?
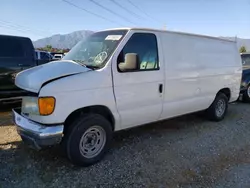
column 32, row 79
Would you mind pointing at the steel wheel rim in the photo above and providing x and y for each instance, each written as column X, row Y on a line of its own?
column 92, row 141
column 248, row 91
column 220, row 107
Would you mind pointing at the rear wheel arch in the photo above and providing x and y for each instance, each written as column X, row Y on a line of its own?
column 225, row 91
column 218, row 109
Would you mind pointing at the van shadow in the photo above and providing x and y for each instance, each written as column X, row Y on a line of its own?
column 157, row 128
column 18, row 161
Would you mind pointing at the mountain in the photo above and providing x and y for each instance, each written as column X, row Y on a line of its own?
column 62, row 41
column 69, row 40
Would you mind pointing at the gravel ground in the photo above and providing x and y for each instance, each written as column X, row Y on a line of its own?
column 188, row 151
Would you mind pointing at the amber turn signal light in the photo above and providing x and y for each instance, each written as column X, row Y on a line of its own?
column 46, row 105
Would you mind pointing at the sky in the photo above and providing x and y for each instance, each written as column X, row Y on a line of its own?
column 42, row 18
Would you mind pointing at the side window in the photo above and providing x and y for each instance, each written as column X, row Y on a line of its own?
column 36, row 55
column 44, row 56
column 48, row 56
column 11, row 48
column 145, row 46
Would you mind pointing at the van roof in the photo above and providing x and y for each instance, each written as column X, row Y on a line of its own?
column 168, row 31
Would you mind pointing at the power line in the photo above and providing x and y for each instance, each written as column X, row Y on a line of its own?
column 40, row 32
column 111, row 11
column 122, row 7
column 85, row 10
column 145, row 13
column 17, row 28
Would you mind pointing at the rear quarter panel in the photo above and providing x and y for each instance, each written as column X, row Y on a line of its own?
column 196, row 68
column 219, row 65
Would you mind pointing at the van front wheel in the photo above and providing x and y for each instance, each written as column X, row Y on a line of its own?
column 218, row 109
column 88, row 139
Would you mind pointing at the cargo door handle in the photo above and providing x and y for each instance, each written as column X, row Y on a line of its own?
column 160, row 88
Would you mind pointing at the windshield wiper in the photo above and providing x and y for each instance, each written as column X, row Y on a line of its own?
column 93, row 67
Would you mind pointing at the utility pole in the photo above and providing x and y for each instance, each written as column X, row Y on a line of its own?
column 164, row 27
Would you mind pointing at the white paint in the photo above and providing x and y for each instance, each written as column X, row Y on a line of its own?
column 33, row 78
column 137, row 93
column 192, row 70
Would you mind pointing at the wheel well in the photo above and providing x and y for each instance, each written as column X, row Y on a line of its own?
column 226, row 91
column 97, row 109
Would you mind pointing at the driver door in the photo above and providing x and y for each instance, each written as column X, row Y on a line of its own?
column 139, row 93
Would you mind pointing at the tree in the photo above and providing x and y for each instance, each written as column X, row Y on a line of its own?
column 243, row 49
column 48, row 48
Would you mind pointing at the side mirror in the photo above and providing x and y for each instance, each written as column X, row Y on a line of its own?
column 131, row 62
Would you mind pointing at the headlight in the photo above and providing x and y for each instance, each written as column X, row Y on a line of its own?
column 38, row 106
column 30, row 105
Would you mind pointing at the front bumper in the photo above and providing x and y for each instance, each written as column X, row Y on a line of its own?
column 34, row 134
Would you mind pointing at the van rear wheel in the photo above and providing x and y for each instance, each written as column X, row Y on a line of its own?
column 88, row 139
column 218, row 109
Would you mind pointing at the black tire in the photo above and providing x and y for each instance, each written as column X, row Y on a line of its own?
column 211, row 112
column 246, row 94
column 72, row 139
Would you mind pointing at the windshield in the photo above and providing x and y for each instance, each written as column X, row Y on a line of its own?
column 245, row 59
column 96, row 48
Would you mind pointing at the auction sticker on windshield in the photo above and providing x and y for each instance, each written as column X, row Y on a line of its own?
column 113, row 37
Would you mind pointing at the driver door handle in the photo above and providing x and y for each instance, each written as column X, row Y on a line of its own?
column 160, row 88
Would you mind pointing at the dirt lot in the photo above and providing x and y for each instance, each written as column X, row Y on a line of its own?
column 183, row 152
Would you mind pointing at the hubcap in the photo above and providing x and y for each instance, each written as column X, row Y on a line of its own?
column 248, row 91
column 92, row 141
column 220, row 107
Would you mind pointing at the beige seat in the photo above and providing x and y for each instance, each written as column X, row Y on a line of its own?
column 130, row 64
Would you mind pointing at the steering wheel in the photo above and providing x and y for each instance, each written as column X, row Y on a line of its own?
column 100, row 57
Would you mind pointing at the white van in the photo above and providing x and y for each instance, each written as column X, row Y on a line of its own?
column 121, row 78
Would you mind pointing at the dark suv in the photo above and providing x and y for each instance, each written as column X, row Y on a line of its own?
column 16, row 54
column 245, row 82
